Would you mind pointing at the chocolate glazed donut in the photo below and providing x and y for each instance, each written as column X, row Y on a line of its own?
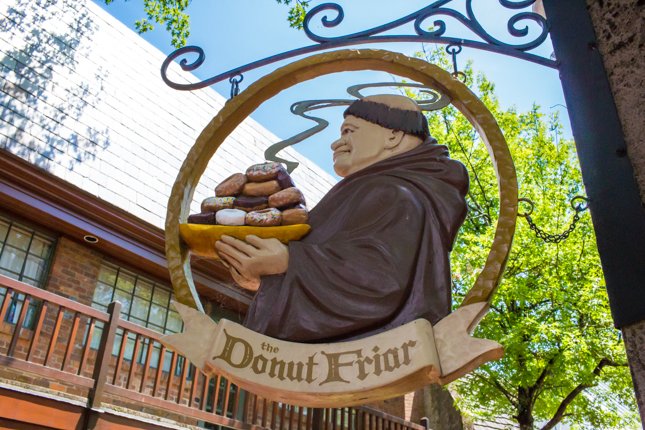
column 284, row 180
column 249, row 204
column 202, row 218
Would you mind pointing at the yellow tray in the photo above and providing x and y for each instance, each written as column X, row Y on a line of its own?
column 201, row 238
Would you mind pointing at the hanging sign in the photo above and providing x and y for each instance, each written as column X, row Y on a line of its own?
column 385, row 365
column 380, row 366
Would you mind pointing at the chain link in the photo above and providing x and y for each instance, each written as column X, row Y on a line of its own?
column 235, row 84
column 555, row 238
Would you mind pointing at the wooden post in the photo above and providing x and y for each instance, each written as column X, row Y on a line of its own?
column 103, row 356
column 19, row 323
column 317, row 418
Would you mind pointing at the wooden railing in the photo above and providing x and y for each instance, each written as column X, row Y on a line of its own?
column 113, row 361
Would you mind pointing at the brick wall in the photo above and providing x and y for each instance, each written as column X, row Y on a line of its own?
column 395, row 406
column 74, row 271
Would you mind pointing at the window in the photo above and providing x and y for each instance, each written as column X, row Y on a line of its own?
column 25, row 255
column 143, row 302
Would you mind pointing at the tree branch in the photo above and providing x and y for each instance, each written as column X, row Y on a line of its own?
column 449, row 129
column 494, row 382
column 536, row 388
column 560, row 412
column 545, row 372
column 535, row 305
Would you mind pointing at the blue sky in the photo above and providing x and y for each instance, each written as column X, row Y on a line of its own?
column 236, row 32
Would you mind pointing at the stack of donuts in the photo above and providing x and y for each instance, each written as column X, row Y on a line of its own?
column 264, row 196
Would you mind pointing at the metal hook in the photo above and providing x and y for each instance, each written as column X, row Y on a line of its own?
column 582, row 206
column 453, row 50
column 235, row 84
column 531, row 205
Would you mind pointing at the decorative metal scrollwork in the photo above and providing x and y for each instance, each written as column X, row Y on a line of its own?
column 436, row 34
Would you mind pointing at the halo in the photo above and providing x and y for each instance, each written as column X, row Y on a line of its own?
column 240, row 107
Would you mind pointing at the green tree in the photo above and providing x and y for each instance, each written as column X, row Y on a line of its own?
column 564, row 361
column 172, row 14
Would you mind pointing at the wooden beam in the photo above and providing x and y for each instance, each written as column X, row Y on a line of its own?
column 39, row 411
column 21, row 287
column 48, row 372
column 179, row 409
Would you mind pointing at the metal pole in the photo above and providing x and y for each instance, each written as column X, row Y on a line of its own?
column 614, row 198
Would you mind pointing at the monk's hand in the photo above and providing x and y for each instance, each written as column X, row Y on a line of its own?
column 247, row 284
column 254, row 257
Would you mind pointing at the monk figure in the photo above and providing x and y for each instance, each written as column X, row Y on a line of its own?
column 377, row 255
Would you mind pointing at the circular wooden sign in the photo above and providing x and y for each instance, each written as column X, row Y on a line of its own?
column 240, row 107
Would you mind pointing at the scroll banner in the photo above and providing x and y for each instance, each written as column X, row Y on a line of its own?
column 338, row 374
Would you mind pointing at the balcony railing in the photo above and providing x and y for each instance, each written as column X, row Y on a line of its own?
column 111, row 361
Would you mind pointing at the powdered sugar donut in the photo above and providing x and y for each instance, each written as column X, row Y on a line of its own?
column 264, row 218
column 230, row 217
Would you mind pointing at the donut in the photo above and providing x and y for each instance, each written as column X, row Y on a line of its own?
column 261, row 188
column 284, row 180
column 264, row 218
column 231, row 186
column 285, row 198
column 264, row 171
column 230, row 217
column 214, row 204
column 202, row 218
column 249, row 204
column 295, row 216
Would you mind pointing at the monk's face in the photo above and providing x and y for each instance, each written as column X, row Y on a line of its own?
column 361, row 144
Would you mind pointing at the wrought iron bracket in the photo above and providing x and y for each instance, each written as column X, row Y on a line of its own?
column 436, row 33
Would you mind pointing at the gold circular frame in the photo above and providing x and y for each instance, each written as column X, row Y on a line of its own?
column 240, row 107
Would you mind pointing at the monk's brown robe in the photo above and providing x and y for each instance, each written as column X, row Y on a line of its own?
column 377, row 255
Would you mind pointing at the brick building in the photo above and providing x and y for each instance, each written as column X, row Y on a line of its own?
column 91, row 141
